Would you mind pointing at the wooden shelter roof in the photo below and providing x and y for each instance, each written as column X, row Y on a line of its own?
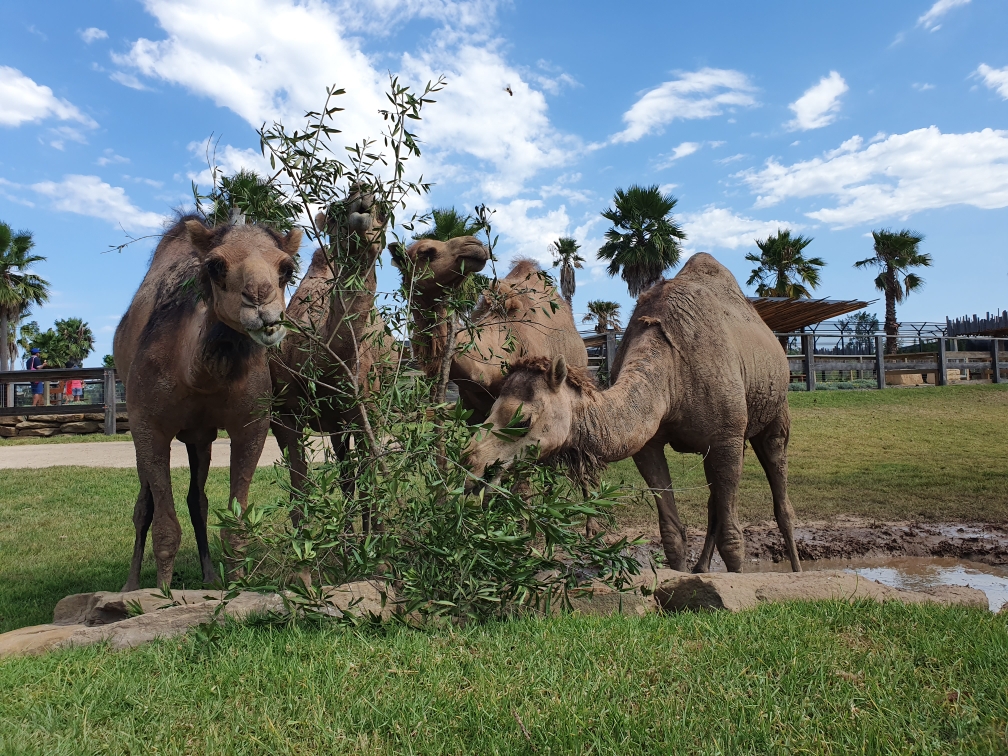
column 785, row 315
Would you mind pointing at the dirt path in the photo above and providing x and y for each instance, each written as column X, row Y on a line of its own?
column 860, row 538
column 116, row 454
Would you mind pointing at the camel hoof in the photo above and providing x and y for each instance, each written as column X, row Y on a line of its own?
column 131, row 586
column 701, row 569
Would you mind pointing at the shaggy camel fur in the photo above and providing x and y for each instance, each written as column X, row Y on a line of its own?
column 339, row 326
column 697, row 370
column 524, row 317
column 191, row 350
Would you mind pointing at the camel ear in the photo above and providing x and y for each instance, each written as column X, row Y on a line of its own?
column 320, row 222
column 291, row 243
column 200, row 236
column 558, row 372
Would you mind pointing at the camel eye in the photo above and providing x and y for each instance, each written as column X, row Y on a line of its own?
column 217, row 269
column 525, row 422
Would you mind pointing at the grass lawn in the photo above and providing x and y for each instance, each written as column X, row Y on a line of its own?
column 935, row 453
column 801, row 678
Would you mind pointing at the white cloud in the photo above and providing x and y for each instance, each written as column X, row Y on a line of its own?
column 90, row 196
column 228, row 160
column 930, row 19
column 110, row 157
column 696, row 94
column 92, row 34
column 23, row 101
column 994, row 78
column 683, row 150
column 128, row 80
column 819, row 105
column 720, row 227
column 271, row 61
column 922, row 87
column 475, row 116
column 60, row 135
column 529, row 236
column 893, row 177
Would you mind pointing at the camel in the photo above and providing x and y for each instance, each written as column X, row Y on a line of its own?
column 343, row 319
column 524, row 317
column 697, row 370
column 191, row 350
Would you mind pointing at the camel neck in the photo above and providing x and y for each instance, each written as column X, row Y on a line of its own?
column 614, row 424
column 221, row 354
column 428, row 333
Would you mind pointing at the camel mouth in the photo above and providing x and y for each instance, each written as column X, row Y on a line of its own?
column 269, row 335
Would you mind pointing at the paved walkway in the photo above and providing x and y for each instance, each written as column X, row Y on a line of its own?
column 116, row 454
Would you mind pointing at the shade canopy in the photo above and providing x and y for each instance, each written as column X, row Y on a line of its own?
column 785, row 315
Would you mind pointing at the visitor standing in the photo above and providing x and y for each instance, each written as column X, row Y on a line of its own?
column 38, row 389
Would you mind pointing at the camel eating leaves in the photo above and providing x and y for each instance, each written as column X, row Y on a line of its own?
column 697, row 370
column 191, row 351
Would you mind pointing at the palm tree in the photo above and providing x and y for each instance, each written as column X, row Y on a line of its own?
column 644, row 239
column 895, row 254
column 249, row 196
column 448, row 224
column 19, row 289
column 565, row 255
column 79, row 339
column 605, row 314
column 782, row 269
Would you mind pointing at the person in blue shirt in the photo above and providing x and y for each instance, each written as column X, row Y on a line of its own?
column 38, row 389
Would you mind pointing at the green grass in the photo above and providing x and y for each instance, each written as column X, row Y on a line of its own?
column 83, row 438
column 826, row 678
column 931, row 454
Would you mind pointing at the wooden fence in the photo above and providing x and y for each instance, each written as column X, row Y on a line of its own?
column 107, row 408
column 991, row 364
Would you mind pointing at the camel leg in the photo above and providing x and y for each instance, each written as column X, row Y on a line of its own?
column 653, row 467
column 153, row 451
column 723, row 466
column 707, row 553
column 289, row 439
column 199, row 468
column 771, row 450
column 143, row 514
column 247, row 441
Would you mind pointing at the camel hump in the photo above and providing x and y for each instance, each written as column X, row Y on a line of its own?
column 703, row 264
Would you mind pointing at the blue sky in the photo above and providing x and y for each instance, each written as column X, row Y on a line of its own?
column 831, row 119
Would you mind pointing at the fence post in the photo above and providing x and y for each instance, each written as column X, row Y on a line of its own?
column 610, row 352
column 110, row 402
column 995, row 367
column 942, row 362
column 808, row 344
column 880, row 361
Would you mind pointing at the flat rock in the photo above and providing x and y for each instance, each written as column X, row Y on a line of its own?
column 82, row 426
column 36, row 424
column 11, row 419
column 7, row 431
column 677, row 591
column 44, row 431
column 76, row 417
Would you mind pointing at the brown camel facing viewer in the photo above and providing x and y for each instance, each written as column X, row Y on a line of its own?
column 191, row 350
column 697, row 370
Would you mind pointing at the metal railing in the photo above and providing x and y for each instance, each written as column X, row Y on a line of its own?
column 101, row 393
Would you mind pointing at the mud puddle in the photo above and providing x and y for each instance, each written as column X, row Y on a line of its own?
column 910, row 555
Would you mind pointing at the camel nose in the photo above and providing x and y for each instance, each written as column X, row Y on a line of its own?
column 258, row 295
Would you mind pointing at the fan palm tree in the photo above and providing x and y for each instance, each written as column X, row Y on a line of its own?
column 248, row 195
column 79, row 339
column 605, row 314
column 565, row 255
column 782, row 269
column 448, row 224
column 643, row 241
column 895, row 254
column 18, row 288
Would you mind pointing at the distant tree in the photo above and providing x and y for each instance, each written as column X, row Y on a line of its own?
column 79, row 339
column 566, row 257
column 246, row 195
column 53, row 348
column 862, row 326
column 604, row 314
column 643, row 241
column 895, row 254
column 19, row 289
column 448, row 223
column 782, row 269
column 108, row 361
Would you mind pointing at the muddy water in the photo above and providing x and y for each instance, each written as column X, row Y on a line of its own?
column 912, row 573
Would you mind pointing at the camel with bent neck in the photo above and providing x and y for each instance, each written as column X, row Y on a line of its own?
column 340, row 325
column 191, row 351
column 522, row 317
column 697, row 370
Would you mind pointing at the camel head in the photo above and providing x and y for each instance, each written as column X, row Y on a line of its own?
column 246, row 269
column 431, row 265
column 536, row 407
column 360, row 221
